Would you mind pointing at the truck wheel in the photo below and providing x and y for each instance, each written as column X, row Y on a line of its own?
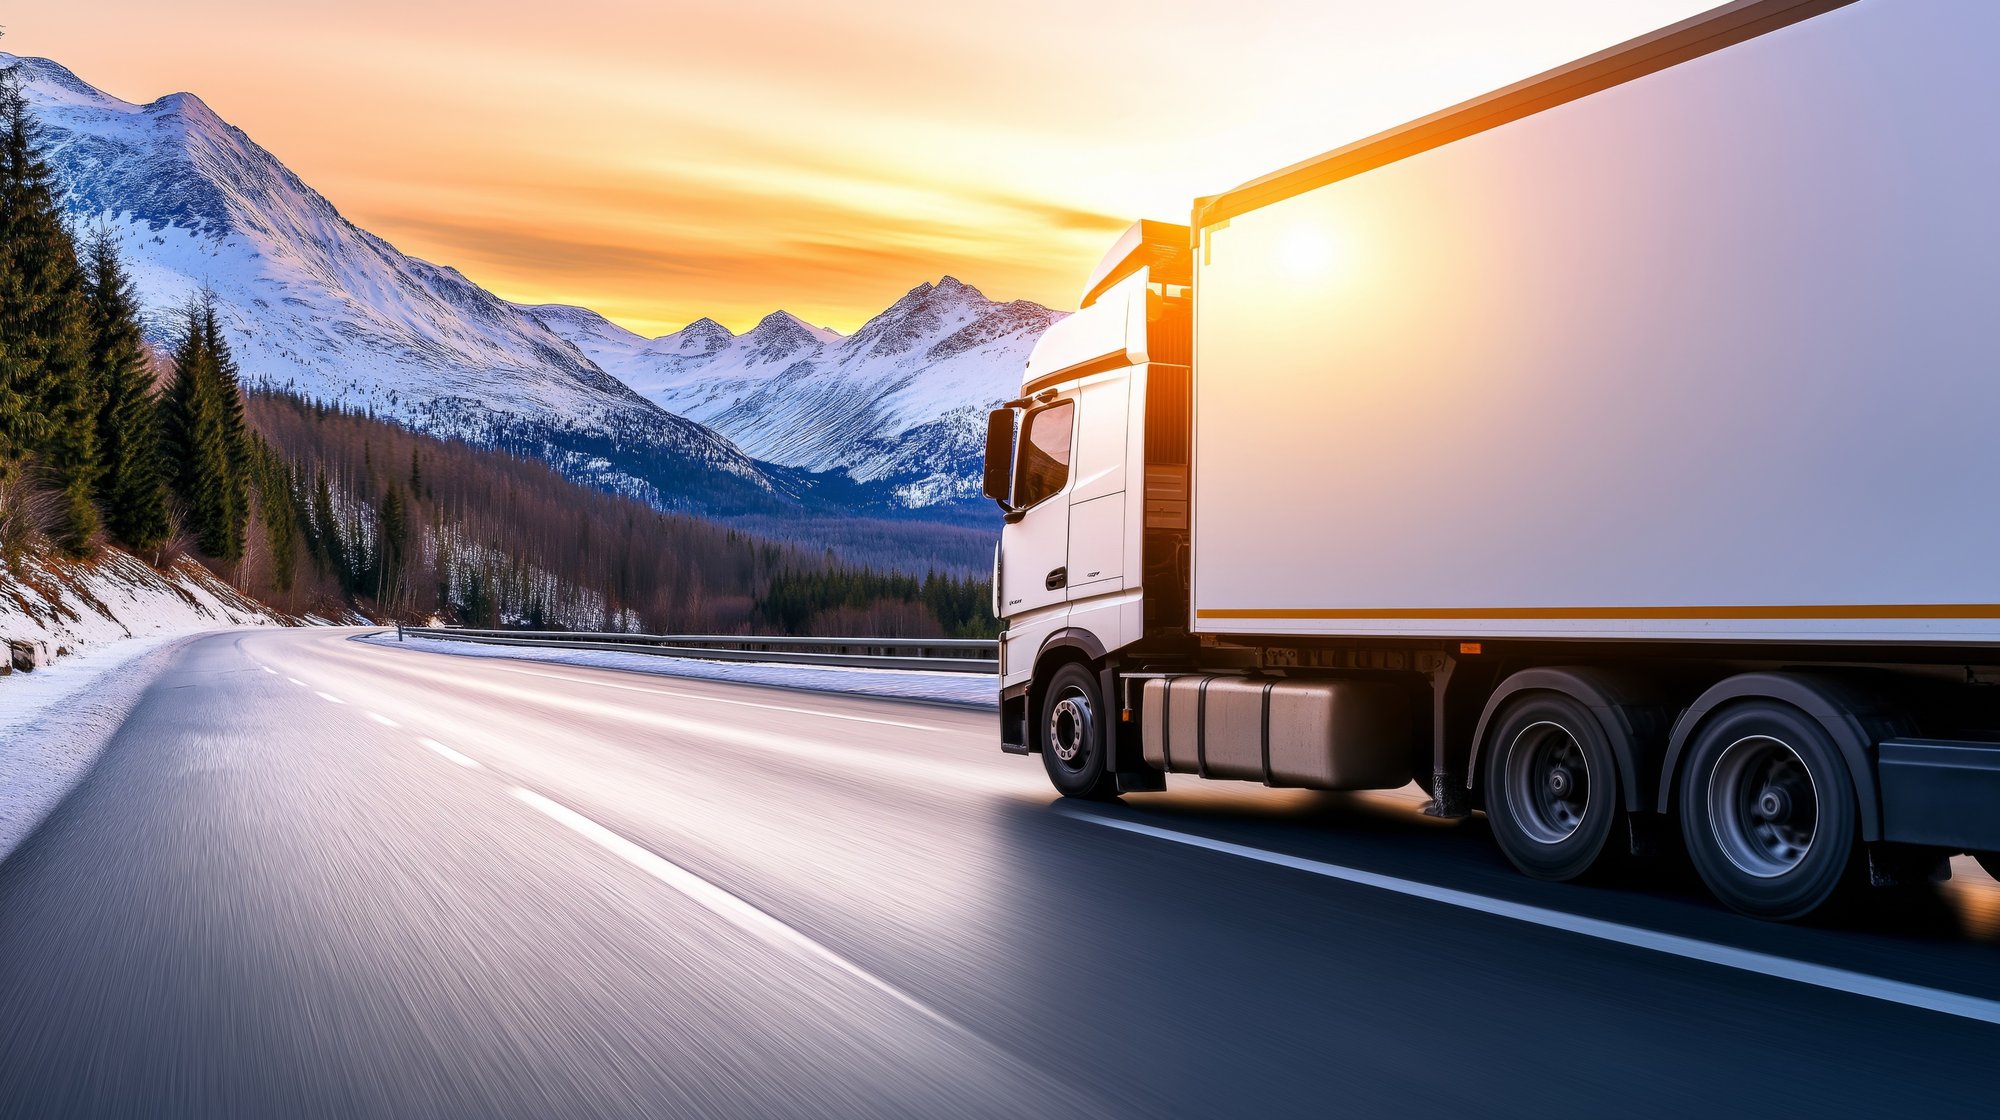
column 1072, row 735
column 1768, row 810
column 1552, row 787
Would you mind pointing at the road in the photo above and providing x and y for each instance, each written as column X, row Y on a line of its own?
column 315, row 877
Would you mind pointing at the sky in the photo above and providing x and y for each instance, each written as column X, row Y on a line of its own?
column 660, row 162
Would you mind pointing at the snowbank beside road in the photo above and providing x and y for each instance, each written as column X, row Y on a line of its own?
column 64, row 607
column 55, row 721
column 904, row 684
column 95, row 633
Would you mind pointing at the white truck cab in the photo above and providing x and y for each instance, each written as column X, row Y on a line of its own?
column 1090, row 466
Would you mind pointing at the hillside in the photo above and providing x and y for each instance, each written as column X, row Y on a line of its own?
column 318, row 307
column 786, row 420
column 412, row 526
column 898, row 407
column 55, row 607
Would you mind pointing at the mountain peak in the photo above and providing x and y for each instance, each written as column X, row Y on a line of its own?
column 782, row 334
column 703, row 336
column 189, row 106
column 319, row 307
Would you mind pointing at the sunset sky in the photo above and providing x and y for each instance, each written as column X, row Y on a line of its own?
column 664, row 161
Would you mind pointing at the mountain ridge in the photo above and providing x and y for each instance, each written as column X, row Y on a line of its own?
column 900, row 402
column 320, row 307
column 785, row 415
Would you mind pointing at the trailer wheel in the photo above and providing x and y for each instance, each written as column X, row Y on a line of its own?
column 1552, row 787
column 1768, row 810
column 1073, row 735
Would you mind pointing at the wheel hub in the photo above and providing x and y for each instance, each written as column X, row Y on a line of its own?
column 1762, row 806
column 1774, row 804
column 1548, row 782
column 1069, row 728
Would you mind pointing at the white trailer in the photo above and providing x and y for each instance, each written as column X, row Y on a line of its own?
column 1611, row 453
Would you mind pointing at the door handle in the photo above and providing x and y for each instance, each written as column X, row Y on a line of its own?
column 1057, row 580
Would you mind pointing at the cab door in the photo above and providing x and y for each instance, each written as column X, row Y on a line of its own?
column 1034, row 546
column 1097, row 490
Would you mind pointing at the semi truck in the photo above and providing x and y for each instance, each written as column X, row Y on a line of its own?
column 1613, row 455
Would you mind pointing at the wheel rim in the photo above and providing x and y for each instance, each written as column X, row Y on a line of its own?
column 1762, row 806
column 1548, row 782
column 1072, row 728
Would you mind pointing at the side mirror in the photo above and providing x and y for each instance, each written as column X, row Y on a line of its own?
column 1001, row 426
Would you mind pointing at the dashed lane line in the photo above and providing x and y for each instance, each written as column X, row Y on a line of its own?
column 720, row 902
column 448, row 753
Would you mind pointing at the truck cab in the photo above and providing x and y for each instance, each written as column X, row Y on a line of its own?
column 1090, row 466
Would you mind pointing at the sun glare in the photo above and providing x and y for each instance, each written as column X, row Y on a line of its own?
column 1308, row 252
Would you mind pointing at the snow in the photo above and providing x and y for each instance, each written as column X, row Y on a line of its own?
column 901, row 401
column 75, row 606
column 108, row 624
column 319, row 307
column 55, row 721
column 976, row 689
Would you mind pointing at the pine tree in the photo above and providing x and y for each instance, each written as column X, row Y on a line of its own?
column 131, row 489
column 197, row 444
column 278, row 500
column 48, row 400
column 327, row 526
column 392, row 543
column 227, row 387
column 20, row 424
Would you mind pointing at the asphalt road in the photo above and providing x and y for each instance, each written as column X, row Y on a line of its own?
column 315, row 877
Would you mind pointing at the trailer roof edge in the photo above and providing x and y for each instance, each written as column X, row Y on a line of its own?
column 1691, row 38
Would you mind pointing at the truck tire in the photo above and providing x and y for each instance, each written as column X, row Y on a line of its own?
column 1074, row 737
column 1768, row 810
column 1551, row 788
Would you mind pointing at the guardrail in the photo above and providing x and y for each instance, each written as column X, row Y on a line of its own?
column 948, row 655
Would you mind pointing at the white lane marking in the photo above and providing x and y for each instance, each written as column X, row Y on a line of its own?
column 723, row 700
column 1819, row 976
column 298, row 682
column 727, row 906
column 385, row 721
column 270, row 670
column 447, row 752
column 331, row 698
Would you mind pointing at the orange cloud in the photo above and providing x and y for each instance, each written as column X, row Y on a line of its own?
column 664, row 161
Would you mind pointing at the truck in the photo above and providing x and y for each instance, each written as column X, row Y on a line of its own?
column 1612, row 455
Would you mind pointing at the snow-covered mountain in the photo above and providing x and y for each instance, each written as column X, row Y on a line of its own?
column 899, row 404
column 320, row 307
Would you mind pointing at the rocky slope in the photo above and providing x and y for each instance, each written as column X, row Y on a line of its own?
column 901, row 403
column 320, row 307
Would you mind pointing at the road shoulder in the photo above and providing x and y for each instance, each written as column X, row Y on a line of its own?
column 59, row 719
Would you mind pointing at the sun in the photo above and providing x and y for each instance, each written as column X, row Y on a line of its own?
column 1307, row 252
